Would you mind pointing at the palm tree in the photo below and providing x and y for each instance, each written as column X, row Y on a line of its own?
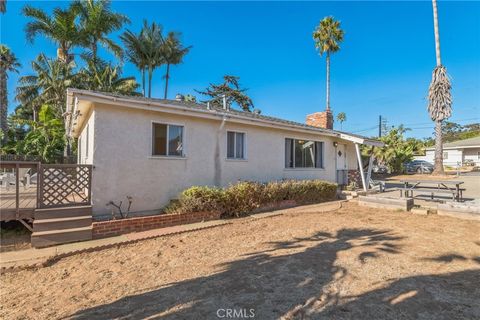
column 8, row 63
column 327, row 37
column 97, row 21
column 107, row 78
column 135, row 52
column 48, row 85
column 61, row 28
column 147, row 50
column 341, row 117
column 439, row 96
column 173, row 53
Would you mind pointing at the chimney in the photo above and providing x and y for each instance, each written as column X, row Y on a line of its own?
column 322, row 119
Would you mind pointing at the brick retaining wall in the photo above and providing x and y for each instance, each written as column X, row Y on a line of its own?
column 111, row 228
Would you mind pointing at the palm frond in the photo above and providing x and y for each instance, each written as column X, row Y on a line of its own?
column 439, row 95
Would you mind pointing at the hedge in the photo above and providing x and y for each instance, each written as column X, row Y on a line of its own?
column 244, row 197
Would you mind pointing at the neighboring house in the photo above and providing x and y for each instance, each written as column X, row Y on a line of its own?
column 152, row 149
column 456, row 153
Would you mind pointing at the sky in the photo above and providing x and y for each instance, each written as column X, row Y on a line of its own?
column 383, row 68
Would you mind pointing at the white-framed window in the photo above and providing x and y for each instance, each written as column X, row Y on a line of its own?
column 236, row 145
column 167, row 140
column 445, row 155
column 300, row 153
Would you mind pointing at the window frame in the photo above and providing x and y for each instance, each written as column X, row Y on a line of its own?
column 168, row 124
column 235, row 145
column 293, row 154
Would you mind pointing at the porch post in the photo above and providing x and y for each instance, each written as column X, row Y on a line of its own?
column 369, row 171
column 359, row 158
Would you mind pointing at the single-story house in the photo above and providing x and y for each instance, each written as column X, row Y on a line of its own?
column 456, row 153
column 152, row 149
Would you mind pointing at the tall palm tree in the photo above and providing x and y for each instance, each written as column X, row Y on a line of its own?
column 327, row 37
column 439, row 96
column 8, row 63
column 61, row 28
column 173, row 53
column 104, row 77
column 48, row 85
column 134, row 49
column 341, row 117
column 146, row 47
column 97, row 21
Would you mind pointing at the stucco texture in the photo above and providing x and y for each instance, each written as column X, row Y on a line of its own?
column 120, row 150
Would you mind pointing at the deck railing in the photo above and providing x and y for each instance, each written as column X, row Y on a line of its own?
column 26, row 186
column 64, row 185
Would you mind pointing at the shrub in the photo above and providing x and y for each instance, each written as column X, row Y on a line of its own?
column 244, row 197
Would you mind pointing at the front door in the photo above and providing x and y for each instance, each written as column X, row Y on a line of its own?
column 341, row 164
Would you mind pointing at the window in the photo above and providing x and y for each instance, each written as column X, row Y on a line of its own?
column 478, row 155
column 303, row 153
column 445, row 155
column 235, row 145
column 167, row 140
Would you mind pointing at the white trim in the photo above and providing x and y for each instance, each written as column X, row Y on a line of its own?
column 360, row 167
column 167, row 123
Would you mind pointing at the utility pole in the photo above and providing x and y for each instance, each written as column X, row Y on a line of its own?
column 380, row 126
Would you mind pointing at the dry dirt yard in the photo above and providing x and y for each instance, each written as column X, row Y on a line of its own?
column 354, row 263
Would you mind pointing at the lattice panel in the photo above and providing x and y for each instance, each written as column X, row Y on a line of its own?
column 65, row 185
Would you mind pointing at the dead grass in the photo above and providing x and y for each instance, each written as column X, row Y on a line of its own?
column 354, row 263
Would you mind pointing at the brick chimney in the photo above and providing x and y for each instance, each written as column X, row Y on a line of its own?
column 320, row 119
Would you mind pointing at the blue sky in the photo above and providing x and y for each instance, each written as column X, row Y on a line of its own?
column 384, row 66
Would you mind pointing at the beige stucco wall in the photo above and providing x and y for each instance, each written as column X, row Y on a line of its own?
column 124, row 165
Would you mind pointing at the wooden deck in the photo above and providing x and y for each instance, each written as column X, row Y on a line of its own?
column 27, row 203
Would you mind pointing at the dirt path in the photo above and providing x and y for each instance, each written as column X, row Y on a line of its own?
column 355, row 263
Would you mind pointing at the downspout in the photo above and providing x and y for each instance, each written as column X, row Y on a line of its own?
column 217, row 161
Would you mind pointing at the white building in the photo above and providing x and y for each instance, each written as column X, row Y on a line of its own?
column 456, row 153
column 152, row 149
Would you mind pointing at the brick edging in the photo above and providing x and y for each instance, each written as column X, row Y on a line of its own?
column 111, row 228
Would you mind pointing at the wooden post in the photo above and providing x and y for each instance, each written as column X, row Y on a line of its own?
column 360, row 166
column 369, row 171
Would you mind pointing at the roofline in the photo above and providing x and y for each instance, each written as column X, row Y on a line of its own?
column 74, row 94
column 455, row 147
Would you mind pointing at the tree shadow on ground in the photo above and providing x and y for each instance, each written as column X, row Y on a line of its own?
column 272, row 282
column 446, row 296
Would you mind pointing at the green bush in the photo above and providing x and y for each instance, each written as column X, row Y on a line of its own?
column 244, row 197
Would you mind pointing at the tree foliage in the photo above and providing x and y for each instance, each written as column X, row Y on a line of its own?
column 8, row 63
column 397, row 149
column 231, row 89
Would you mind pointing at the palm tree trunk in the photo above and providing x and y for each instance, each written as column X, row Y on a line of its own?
column 328, row 81
column 437, row 34
column 438, row 149
column 3, row 103
column 438, row 124
column 143, row 81
column 167, row 75
column 94, row 51
column 150, row 72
